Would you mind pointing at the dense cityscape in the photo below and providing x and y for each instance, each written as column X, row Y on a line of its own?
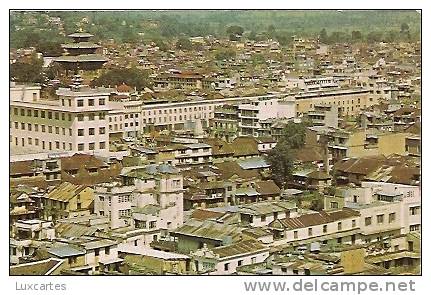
column 215, row 143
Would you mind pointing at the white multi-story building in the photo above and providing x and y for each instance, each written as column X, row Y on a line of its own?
column 76, row 121
column 252, row 114
column 149, row 198
column 174, row 115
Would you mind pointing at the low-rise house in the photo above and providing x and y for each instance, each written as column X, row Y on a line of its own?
column 341, row 226
column 67, row 200
column 87, row 255
column 46, row 267
column 194, row 234
column 263, row 213
column 209, row 194
column 150, row 261
column 224, row 260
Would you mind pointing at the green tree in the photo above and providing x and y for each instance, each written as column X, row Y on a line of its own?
column 234, row 32
column 356, row 35
column 184, row 44
column 131, row 76
column 281, row 160
column 323, row 36
column 27, row 72
column 294, row 134
column 225, row 54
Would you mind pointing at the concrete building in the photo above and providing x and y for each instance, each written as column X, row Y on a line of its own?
column 348, row 101
column 76, row 121
column 149, row 198
column 252, row 114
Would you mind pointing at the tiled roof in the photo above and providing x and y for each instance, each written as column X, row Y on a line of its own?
column 240, row 248
column 201, row 214
column 267, row 187
column 38, row 268
column 65, row 191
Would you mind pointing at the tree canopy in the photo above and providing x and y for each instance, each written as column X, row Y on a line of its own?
column 131, row 76
column 28, row 72
column 281, row 157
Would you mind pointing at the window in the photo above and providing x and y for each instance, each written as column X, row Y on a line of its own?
column 415, row 227
column 57, row 130
column 96, row 252
column 325, row 228
column 354, row 223
column 102, row 130
column 36, row 127
column 80, row 132
column 22, row 112
column 367, row 220
column 334, row 205
column 42, row 114
column 263, row 218
column 49, row 129
column 239, row 262
column 152, row 224
column 90, row 131
column 23, row 126
column 107, row 250
column 391, row 217
column 57, row 116
column 29, row 113
column 380, row 218
column 102, row 145
column 57, row 145
column 63, row 116
column 295, row 234
column 101, row 116
column 29, row 127
column 91, row 102
column 15, row 111
column 253, row 260
column 91, row 146
column 102, row 102
column 414, row 210
column 36, row 113
column 310, row 231
column 80, row 117
column 411, row 246
column 49, row 115
column 339, row 226
column 80, row 102
column 226, row 266
column 91, row 117
column 80, row 147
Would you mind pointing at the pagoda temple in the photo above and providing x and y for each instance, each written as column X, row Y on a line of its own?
column 81, row 54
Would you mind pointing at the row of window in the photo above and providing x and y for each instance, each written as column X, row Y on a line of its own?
column 55, row 115
column 42, row 114
column 91, row 102
column 380, row 218
column 91, row 131
column 324, row 229
column 180, row 110
column 166, row 119
column 49, row 145
column 91, row 146
column 43, row 128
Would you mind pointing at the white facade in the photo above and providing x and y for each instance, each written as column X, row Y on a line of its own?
column 76, row 121
column 154, row 202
